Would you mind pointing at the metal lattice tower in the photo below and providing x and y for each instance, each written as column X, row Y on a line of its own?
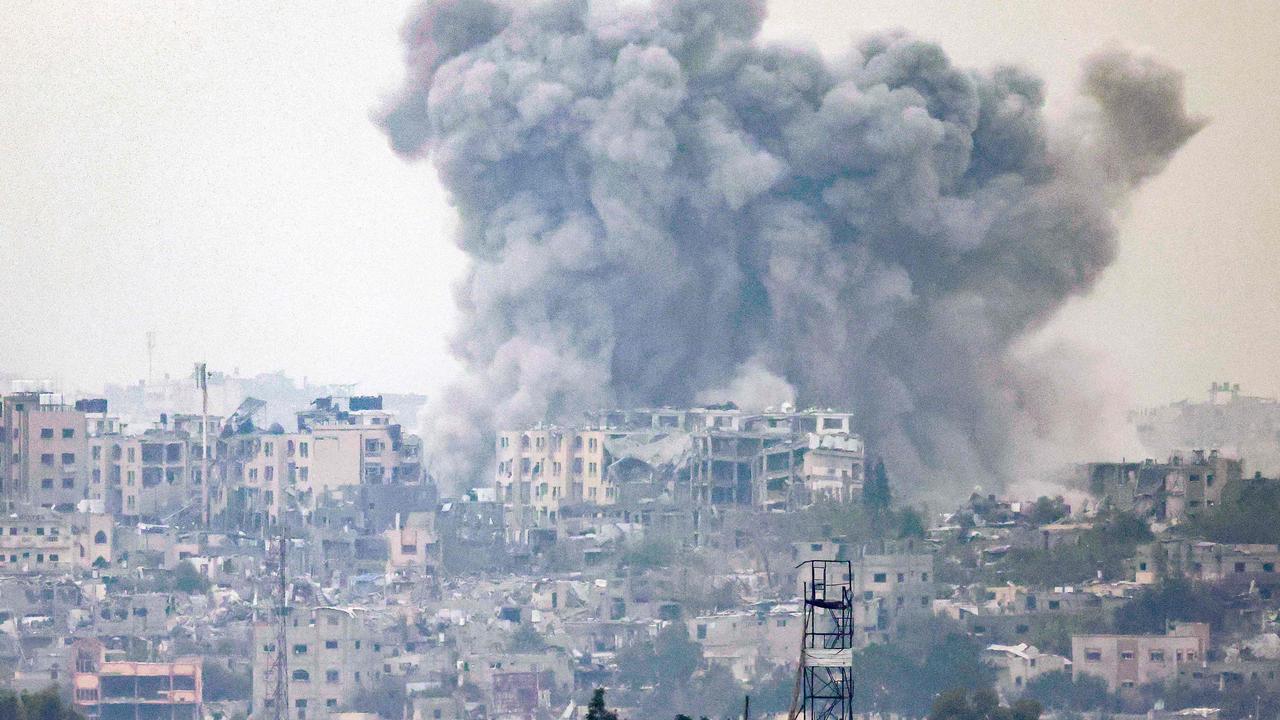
column 278, row 674
column 826, row 654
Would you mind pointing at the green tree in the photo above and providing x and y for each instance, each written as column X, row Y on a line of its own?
column 220, row 683
column 876, row 494
column 1246, row 513
column 983, row 704
column 677, row 656
column 46, row 704
column 1059, row 691
column 526, row 638
column 1048, row 510
column 11, row 706
column 596, row 709
column 910, row 524
column 1175, row 599
column 187, row 579
column 387, row 699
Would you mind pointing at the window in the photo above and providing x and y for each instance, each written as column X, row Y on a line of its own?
column 304, row 449
column 330, row 644
column 1055, row 604
column 68, row 458
column 702, row 632
column 268, row 449
column 331, row 676
column 902, row 578
column 924, row 577
column 269, row 648
column 100, row 538
column 816, row 547
column 300, row 649
column 880, row 577
column 1126, row 655
column 1239, row 567
column 68, row 483
column 46, row 458
column 68, row 433
column 1093, row 655
column 46, row 484
column 301, row 676
column 1268, row 567
column 331, row 703
column 1157, row 656
column 46, row 433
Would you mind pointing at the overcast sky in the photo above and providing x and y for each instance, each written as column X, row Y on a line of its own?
column 208, row 170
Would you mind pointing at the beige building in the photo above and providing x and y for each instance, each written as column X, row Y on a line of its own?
column 332, row 655
column 413, row 545
column 119, row 690
column 36, row 543
column 541, row 469
column 834, row 466
column 45, row 451
column 1017, row 665
column 1129, row 661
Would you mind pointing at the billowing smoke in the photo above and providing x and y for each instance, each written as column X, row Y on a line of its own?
column 659, row 208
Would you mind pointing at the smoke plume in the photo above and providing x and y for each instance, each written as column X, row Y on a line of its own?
column 658, row 206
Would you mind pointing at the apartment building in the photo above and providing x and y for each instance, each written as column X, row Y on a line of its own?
column 746, row 643
column 118, row 690
column 44, row 448
column 1174, row 491
column 36, row 543
column 331, row 656
column 541, row 469
column 834, row 466
column 353, row 441
column 736, row 457
column 891, row 590
column 1126, row 662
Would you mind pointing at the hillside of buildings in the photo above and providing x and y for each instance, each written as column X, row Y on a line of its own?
column 235, row 566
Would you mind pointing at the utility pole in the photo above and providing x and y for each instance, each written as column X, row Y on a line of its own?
column 151, row 351
column 202, row 382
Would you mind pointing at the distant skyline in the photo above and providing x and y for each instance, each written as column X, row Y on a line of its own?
column 210, row 172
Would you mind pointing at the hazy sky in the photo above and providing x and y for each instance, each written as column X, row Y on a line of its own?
column 208, row 170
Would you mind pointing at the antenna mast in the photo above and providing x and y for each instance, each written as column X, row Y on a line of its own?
column 279, row 672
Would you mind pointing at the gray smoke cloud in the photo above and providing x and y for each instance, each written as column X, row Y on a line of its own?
column 658, row 206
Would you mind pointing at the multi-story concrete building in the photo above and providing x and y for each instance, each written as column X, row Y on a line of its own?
column 541, row 469
column 1173, row 491
column 45, row 450
column 36, row 543
column 120, row 690
column 1126, row 662
column 332, row 655
column 891, row 590
column 744, row 458
column 834, row 466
